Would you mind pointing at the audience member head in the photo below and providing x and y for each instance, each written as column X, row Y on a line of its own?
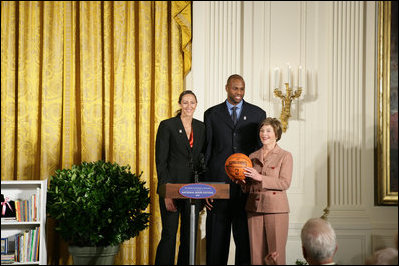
column 318, row 241
column 386, row 256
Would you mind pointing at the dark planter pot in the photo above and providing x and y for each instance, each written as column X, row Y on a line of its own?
column 93, row 255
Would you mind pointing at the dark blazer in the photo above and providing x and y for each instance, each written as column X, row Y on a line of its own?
column 175, row 159
column 224, row 139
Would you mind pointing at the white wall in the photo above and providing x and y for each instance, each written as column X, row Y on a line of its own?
column 331, row 131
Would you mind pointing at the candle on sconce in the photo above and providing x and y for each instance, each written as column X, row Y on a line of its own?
column 289, row 76
column 300, row 84
column 276, row 78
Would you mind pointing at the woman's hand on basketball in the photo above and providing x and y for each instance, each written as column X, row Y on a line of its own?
column 252, row 173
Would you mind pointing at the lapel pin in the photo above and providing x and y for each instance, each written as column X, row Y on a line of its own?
column 245, row 118
column 180, row 131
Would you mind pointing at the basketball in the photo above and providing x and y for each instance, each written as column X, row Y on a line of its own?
column 235, row 164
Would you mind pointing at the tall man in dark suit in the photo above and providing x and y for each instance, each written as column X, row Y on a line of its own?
column 231, row 127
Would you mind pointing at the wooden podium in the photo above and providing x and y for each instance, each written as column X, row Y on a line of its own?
column 194, row 192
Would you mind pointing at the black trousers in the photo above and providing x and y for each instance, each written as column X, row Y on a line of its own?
column 225, row 215
column 170, row 221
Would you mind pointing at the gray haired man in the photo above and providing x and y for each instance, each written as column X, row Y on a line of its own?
column 318, row 242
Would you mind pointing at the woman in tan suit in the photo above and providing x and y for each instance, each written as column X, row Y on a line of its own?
column 267, row 205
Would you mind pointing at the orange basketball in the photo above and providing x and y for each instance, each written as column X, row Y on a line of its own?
column 235, row 164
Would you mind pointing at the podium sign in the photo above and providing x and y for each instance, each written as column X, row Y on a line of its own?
column 195, row 191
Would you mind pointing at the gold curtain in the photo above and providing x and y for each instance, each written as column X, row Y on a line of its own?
column 83, row 81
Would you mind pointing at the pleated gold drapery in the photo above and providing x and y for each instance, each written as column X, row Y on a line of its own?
column 83, row 81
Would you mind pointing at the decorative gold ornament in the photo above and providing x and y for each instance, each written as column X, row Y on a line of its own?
column 289, row 95
column 286, row 103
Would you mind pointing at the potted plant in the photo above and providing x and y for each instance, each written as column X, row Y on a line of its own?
column 97, row 206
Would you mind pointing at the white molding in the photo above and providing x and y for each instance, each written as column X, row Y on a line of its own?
column 379, row 241
column 352, row 248
column 346, row 104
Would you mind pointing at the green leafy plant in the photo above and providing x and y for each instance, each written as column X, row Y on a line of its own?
column 300, row 262
column 98, row 204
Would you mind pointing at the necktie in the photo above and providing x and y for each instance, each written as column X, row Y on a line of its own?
column 234, row 115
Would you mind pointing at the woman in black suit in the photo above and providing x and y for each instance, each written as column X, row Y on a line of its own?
column 179, row 154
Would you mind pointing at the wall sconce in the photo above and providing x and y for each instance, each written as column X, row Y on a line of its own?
column 289, row 96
